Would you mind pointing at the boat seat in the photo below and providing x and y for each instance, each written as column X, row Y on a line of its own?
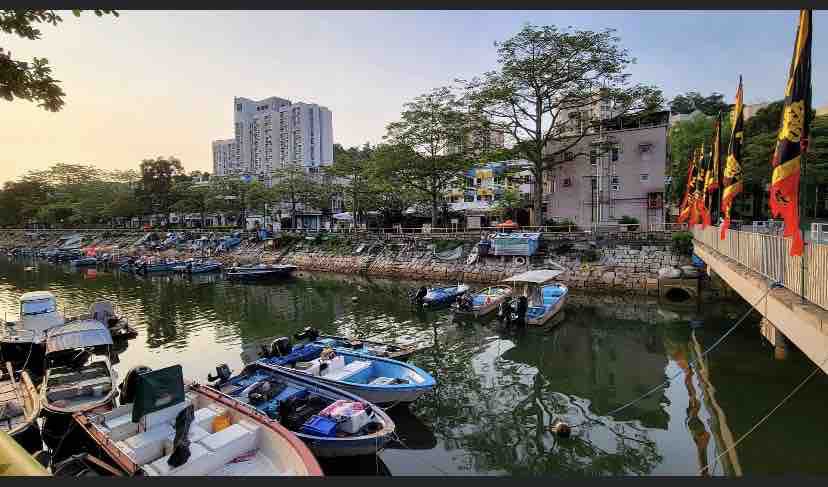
column 333, row 365
column 349, row 370
column 145, row 447
column 200, row 462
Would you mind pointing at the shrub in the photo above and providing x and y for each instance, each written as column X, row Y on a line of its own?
column 629, row 220
column 683, row 243
column 589, row 255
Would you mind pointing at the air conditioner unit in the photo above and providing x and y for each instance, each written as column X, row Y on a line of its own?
column 616, row 187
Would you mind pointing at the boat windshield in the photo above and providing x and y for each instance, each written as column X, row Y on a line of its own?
column 37, row 307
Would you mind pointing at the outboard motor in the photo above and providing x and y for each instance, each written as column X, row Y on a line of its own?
column 127, row 387
column 420, row 296
column 522, row 308
column 465, row 303
column 308, row 333
column 280, row 347
column 181, row 443
column 504, row 311
column 223, row 373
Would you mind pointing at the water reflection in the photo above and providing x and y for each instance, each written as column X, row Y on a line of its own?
column 497, row 391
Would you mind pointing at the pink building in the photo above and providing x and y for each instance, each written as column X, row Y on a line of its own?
column 604, row 181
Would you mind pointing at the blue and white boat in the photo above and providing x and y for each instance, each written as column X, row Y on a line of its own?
column 439, row 296
column 375, row 379
column 366, row 347
column 229, row 242
column 544, row 297
column 296, row 402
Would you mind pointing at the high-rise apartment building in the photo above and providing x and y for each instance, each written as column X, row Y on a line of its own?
column 272, row 133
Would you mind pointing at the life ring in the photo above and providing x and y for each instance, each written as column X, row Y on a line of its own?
column 520, row 260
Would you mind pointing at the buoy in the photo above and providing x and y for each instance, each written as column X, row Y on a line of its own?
column 561, row 429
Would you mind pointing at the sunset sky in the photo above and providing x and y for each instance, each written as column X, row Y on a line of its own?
column 149, row 83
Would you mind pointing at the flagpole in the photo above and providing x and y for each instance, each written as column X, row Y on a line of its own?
column 802, row 170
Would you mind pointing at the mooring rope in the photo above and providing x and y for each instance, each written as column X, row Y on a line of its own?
column 667, row 382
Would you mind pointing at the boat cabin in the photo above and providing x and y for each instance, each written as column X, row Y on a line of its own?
column 38, row 314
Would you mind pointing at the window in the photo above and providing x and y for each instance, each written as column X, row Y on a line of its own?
column 238, row 107
column 644, row 178
column 615, row 187
column 593, row 157
column 615, row 180
column 567, row 182
column 645, row 147
column 614, row 154
column 593, row 183
column 37, row 307
column 568, row 156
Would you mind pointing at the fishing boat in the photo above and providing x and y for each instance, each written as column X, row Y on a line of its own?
column 19, row 408
column 79, row 374
column 376, row 379
column 483, row 302
column 229, row 242
column 439, row 296
column 198, row 266
column 313, row 411
column 104, row 312
column 367, row 347
column 22, row 341
column 260, row 271
column 169, row 427
column 544, row 298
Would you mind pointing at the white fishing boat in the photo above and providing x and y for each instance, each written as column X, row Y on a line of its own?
column 22, row 341
column 483, row 302
column 173, row 428
column 545, row 298
column 79, row 374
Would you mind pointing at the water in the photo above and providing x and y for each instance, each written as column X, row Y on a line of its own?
column 498, row 392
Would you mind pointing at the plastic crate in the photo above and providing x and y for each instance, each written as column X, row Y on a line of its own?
column 320, row 426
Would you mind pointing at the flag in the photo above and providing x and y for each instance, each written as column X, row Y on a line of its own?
column 732, row 183
column 684, row 209
column 792, row 140
column 697, row 211
column 711, row 183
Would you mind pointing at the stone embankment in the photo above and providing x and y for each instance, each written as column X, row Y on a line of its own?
column 630, row 265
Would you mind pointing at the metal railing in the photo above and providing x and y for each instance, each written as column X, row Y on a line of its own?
column 768, row 255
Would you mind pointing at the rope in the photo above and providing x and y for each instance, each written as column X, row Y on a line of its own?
column 768, row 415
column 690, row 364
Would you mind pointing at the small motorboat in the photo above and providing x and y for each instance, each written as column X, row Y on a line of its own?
column 481, row 302
column 22, row 341
column 199, row 266
column 367, row 347
column 118, row 325
column 376, row 379
column 169, row 427
column 307, row 408
column 19, row 408
column 79, row 375
column 542, row 299
column 438, row 296
column 260, row 271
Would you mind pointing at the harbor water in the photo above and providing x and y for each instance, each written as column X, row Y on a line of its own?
column 499, row 391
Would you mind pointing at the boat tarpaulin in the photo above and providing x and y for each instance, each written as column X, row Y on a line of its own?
column 536, row 277
column 156, row 390
column 77, row 334
column 518, row 243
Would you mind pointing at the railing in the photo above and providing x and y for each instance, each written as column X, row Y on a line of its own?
column 768, row 255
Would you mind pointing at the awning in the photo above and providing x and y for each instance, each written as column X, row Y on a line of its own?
column 536, row 277
column 77, row 334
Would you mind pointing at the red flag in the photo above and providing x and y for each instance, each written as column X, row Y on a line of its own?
column 733, row 168
column 793, row 135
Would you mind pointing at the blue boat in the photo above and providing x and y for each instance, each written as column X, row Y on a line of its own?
column 544, row 298
column 146, row 266
column 376, row 379
column 296, row 402
column 229, row 242
column 365, row 347
column 438, row 296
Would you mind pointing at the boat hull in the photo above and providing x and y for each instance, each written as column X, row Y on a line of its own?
column 252, row 275
column 543, row 319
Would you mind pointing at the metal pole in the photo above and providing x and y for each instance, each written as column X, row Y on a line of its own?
column 802, row 257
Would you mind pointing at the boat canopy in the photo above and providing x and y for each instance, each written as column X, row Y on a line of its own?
column 540, row 276
column 77, row 334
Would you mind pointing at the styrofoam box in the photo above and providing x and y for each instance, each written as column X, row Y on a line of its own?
column 163, row 416
column 147, row 446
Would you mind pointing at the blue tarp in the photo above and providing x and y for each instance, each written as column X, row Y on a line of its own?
column 518, row 243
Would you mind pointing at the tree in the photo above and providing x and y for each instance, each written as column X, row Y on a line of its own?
column 354, row 167
column 692, row 100
column 156, row 186
column 31, row 81
column 422, row 154
column 294, row 186
column 259, row 196
column 509, row 201
column 546, row 74
column 685, row 137
column 192, row 199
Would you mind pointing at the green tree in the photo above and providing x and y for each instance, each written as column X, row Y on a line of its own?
column 509, row 201
column 422, row 153
column 545, row 74
column 684, row 139
column 692, row 100
column 354, row 168
column 31, row 81
column 294, row 186
column 157, row 181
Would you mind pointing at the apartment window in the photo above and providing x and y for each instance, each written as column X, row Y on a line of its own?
column 614, row 154
column 593, row 183
column 615, row 187
column 567, row 182
column 644, row 178
column 615, row 180
column 593, row 157
column 568, row 156
column 238, row 107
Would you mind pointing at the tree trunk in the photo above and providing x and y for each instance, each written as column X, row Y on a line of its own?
column 537, row 197
column 434, row 211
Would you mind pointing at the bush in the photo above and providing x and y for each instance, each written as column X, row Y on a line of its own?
column 683, row 243
column 629, row 220
column 589, row 255
column 561, row 226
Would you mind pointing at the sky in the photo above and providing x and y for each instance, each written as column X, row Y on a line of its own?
column 161, row 83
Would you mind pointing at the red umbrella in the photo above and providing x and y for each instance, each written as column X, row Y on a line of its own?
column 507, row 224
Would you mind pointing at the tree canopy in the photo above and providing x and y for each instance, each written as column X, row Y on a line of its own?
column 693, row 100
column 32, row 81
